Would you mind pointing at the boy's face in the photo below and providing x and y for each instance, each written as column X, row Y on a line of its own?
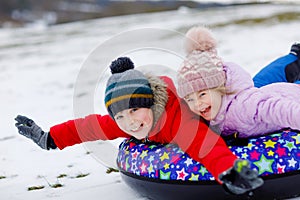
column 136, row 122
column 205, row 103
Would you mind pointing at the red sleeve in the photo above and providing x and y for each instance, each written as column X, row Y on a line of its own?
column 91, row 128
column 204, row 145
column 209, row 149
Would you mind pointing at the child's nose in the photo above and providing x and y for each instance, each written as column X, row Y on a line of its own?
column 130, row 123
column 198, row 104
column 130, row 120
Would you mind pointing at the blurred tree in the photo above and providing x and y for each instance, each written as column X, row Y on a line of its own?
column 7, row 6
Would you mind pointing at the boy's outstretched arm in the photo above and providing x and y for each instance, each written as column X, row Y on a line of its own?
column 90, row 128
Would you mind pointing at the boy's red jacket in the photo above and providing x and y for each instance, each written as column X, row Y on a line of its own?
column 176, row 125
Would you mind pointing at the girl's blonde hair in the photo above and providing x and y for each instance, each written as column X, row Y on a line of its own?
column 223, row 90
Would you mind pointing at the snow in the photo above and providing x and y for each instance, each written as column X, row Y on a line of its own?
column 53, row 74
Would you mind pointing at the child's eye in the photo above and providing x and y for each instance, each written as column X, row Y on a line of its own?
column 189, row 100
column 133, row 110
column 119, row 117
column 202, row 94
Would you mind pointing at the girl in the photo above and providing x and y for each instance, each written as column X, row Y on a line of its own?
column 223, row 93
column 148, row 108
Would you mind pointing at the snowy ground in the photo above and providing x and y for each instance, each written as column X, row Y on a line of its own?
column 42, row 69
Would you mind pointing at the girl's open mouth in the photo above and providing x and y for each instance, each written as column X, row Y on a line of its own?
column 204, row 112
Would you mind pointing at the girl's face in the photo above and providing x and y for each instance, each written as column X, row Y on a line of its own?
column 136, row 122
column 205, row 103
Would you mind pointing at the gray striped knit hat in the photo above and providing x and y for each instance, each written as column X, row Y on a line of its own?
column 126, row 88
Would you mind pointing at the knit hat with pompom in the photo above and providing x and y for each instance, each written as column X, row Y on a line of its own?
column 126, row 88
column 202, row 68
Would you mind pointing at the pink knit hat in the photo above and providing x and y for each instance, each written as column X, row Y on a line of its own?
column 202, row 68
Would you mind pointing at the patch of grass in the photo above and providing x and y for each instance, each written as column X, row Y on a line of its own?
column 82, row 175
column 110, row 170
column 56, row 185
column 2, row 177
column 282, row 17
column 290, row 16
column 62, row 176
column 276, row 18
column 35, row 187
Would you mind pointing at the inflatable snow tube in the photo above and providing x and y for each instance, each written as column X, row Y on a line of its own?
column 159, row 171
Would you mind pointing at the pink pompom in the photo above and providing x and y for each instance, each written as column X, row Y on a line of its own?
column 199, row 38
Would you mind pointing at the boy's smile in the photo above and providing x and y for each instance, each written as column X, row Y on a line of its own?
column 136, row 122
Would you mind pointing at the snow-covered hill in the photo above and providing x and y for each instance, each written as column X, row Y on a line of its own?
column 40, row 67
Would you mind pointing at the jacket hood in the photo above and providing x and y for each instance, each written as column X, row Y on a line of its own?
column 159, row 88
column 238, row 81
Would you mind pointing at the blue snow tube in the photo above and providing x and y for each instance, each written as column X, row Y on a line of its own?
column 160, row 171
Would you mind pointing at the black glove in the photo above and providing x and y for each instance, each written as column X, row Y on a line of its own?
column 295, row 49
column 240, row 178
column 292, row 70
column 29, row 129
